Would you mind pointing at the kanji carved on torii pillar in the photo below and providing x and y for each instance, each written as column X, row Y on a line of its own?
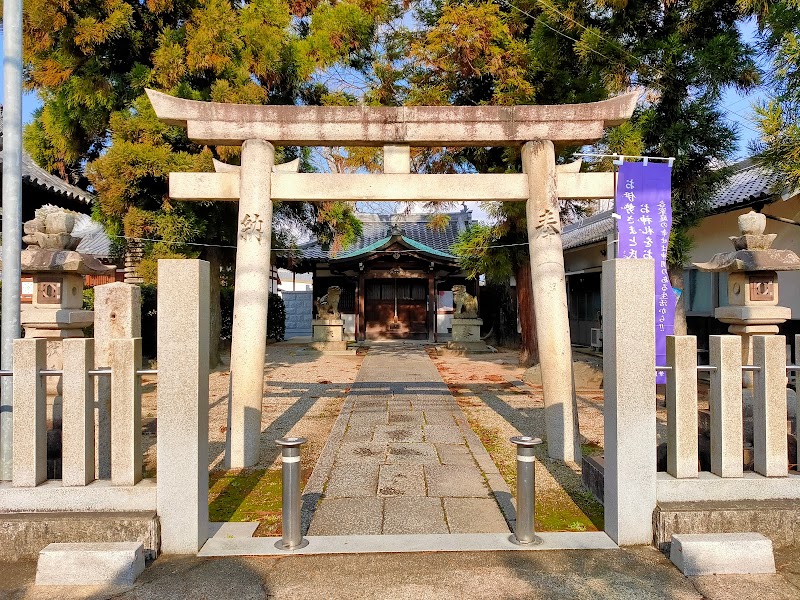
column 256, row 184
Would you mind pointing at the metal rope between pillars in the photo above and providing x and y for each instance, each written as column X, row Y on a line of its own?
column 290, row 511
column 524, row 531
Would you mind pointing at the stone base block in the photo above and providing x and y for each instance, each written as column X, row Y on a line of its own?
column 778, row 520
column 467, row 330
column 749, row 316
column 55, row 320
column 114, row 563
column 23, row 535
column 460, row 348
column 339, row 346
column 328, row 330
column 722, row 554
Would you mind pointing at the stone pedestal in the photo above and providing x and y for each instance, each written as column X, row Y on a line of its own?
column 467, row 336
column 328, row 335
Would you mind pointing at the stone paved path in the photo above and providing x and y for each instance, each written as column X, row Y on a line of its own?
column 402, row 458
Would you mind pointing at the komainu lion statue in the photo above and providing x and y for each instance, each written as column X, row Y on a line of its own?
column 328, row 306
column 466, row 304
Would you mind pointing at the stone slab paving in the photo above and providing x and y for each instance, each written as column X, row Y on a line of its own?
column 402, row 459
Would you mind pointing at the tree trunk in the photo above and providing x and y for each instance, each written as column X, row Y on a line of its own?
column 529, row 354
column 213, row 257
column 676, row 279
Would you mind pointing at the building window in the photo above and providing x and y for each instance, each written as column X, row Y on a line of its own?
column 704, row 291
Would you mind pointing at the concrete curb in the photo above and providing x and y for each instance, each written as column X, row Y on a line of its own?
column 448, row 542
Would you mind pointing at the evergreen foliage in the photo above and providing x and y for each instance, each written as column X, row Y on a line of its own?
column 276, row 318
column 683, row 53
column 779, row 117
column 90, row 63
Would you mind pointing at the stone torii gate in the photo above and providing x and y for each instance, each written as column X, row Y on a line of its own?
column 257, row 184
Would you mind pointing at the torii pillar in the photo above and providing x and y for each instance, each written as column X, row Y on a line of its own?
column 251, row 297
column 550, row 299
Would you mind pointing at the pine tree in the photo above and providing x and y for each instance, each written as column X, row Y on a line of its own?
column 686, row 54
column 473, row 53
column 778, row 118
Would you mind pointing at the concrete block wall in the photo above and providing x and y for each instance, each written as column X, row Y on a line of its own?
column 299, row 311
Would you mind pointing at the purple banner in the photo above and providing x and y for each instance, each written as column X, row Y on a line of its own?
column 643, row 202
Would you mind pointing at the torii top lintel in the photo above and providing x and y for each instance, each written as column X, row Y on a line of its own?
column 232, row 124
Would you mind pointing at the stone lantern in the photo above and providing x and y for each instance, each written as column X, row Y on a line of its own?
column 752, row 284
column 58, row 271
column 56, row 311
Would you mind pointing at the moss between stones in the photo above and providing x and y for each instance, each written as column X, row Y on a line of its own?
column 248, row 495
column 556, row 510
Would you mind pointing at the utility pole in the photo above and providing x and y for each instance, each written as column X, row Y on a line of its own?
column 12, row 218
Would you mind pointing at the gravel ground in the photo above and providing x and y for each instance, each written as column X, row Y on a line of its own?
column 303, row 393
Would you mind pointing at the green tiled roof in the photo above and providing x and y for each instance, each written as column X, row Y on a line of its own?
column 424, row 248
column 415, row 231
column 382, row 242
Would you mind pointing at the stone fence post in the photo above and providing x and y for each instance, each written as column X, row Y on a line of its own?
column 769, row 406
column 629, row 411
column 183, row 330
column 682, row 406
column 725, row 404
column 117, row 315
column 30, row 413
column 126, row 412
column 77, row 447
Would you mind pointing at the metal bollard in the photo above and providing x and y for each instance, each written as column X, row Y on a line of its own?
column 526, row 490
column 290, row 455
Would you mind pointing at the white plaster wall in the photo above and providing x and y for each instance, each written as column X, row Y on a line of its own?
column 349, row 326
column 712, row 235
column 302, row 281
column 444, row 321
column 580, row 259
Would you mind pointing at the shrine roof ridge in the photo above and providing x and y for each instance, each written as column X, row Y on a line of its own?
column 223, row 123
column 415, row 232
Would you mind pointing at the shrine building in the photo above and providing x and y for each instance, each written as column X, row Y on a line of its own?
column 396, row 279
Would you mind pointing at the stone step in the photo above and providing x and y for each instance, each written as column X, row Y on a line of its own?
column 102, row 563
column 23, row 535
column 722, row 553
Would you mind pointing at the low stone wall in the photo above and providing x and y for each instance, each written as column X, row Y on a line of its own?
column 23, row 535
column 779, row 520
